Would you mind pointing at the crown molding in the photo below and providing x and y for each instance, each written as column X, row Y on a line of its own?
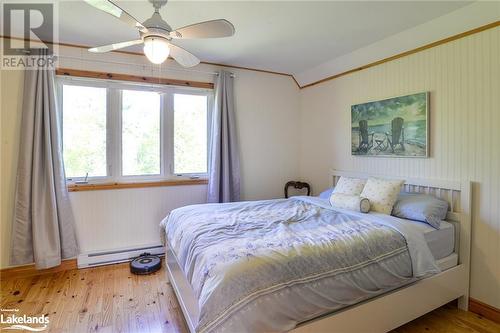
column 142, row 55
column 406, row 53
column 478, row 16
column 296, row 77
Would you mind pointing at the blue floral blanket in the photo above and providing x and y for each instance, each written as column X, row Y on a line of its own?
column 235, row 254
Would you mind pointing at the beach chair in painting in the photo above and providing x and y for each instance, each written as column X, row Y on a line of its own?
column 397, row 135
column 365, row 138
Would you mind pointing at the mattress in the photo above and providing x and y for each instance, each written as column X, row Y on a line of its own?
column 245, row 260
column 441, row 241
column 448, row 262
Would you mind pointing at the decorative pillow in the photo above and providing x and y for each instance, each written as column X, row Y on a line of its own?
column 421, row 207
column 352, row 186
column 382, row 193
column 326, row 194
column 351, row 202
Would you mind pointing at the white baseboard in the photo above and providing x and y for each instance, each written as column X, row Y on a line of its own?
column 108, row 257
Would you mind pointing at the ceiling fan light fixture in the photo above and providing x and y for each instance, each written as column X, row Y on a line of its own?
column 156, row 49
column 156, row 34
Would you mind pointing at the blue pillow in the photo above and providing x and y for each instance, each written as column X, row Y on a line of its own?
column 327, row 193
column 421, row 207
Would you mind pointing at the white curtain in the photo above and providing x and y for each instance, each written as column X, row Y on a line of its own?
column 43, row 227
column 224, row 165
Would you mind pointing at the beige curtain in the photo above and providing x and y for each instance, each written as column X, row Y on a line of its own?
column 43, row 227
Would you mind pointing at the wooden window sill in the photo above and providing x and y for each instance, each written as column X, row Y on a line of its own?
column 117, row 186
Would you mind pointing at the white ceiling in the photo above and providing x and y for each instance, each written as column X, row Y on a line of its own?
column 309, row 39
column 288, row 37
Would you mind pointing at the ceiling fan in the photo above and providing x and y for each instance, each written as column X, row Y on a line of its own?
column 157, row 35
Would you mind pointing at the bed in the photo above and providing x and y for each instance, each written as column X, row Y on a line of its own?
column 298, row 265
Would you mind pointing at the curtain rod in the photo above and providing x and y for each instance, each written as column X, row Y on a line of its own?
column 152, row 67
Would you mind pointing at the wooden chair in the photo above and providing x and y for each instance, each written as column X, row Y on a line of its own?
column 365, row 138
column 397, row 135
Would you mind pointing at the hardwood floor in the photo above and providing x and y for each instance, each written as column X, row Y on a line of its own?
column 110, row 299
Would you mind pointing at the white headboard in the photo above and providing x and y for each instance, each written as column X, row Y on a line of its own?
column 452, row 191
column 457, row 193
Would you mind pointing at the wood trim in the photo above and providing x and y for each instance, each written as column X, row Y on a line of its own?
column 133, row 78
column 407, row 53
column 67, row 44
column 30, row 270
column 117, row 186
column 246, row 68
column 397, row 56
column 485, row 310
column 254, row 70
column 296, row 82
column 142, row 55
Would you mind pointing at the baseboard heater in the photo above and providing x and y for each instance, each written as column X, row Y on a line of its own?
column 100, row 258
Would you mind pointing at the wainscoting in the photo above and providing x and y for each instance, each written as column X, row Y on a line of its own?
column 463, row 78
column 127, row 218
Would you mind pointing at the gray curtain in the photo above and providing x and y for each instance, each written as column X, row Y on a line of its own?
column 224, row 165
column 43, row 227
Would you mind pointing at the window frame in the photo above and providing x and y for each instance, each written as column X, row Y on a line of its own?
column 119, row 137
column 85, row 83
column 210, row 101
column 114, row 162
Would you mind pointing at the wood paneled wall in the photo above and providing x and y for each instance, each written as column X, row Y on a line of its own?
column 463, row 78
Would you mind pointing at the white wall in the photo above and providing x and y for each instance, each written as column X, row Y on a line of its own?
column 267, row 115
column 463, row 78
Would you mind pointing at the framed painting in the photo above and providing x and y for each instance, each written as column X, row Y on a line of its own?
column 393, row 127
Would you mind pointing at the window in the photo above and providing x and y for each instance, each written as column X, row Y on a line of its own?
column 140, row 133
column 84, row 135
column 190, row 133
column 116, row 131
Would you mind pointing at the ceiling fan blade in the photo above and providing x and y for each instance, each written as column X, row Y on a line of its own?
column 116, row 46
column 182, row 56
column 111, row 8
column 208, row 29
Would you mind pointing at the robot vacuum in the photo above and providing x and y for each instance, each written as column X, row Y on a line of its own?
column 145, row 264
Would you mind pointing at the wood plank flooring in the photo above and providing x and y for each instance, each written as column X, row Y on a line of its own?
column 110, row 299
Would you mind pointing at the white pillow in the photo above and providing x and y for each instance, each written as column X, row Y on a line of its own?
column 351, row 202
column 351, row 186
column 382, row 194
